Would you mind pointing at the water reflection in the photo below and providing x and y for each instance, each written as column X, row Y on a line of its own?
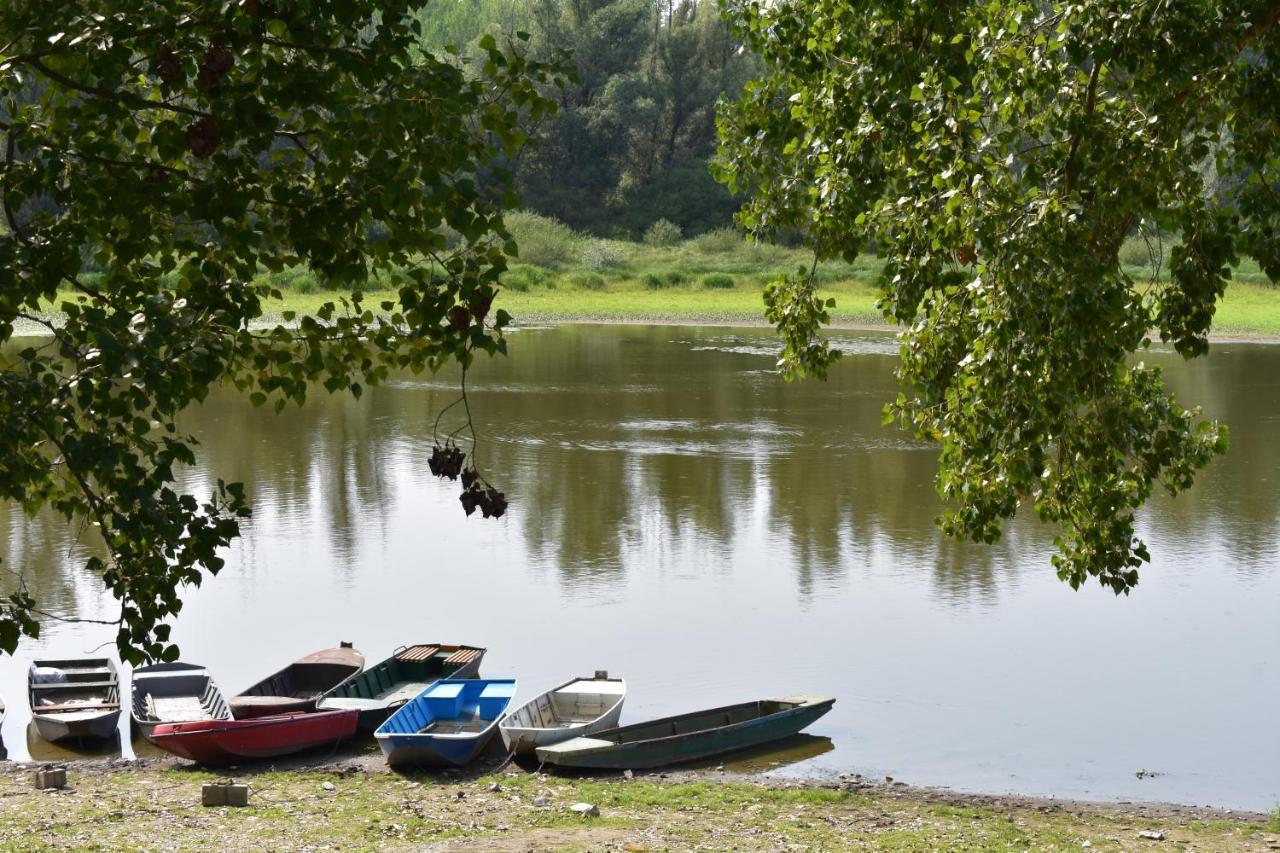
column 680, row 514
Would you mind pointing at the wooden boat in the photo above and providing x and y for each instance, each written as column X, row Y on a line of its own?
column 298, row 685
column 448, row 723
column 381, row 689
column 216, row 742
column 174, row 693
column 689, row 737
column 74, row 698
column 578, row 707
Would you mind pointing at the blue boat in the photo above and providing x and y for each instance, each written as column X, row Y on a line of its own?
column 449, row 723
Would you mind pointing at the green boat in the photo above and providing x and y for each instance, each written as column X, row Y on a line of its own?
column 689, row 737
column 382, row 689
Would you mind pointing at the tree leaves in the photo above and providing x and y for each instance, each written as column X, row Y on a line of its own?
column 156, row 160
column 998, row 155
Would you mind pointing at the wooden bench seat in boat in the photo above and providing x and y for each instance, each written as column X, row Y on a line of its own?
column 72, row 685
column 76, row 706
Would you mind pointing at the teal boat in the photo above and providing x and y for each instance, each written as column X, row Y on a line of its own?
column 689, row 737
column 382, row 689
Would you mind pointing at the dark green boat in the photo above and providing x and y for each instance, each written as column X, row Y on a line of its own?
column 689, row 737
column 382, row 689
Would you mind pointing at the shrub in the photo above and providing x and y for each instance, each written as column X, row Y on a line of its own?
column 599, row 255
column 718, row 242
column 543, row 241
column 1134, row 253
column 718, row 281
column 521, row 277
column 587, row 281
column 675, row 277
column 654, row 281
column 305, row 285
column 662, row 233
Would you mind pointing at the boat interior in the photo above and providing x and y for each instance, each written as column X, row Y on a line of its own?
column 574, row 704
column 180, row 695
column 74, row 686
column 698, row 722
column 402, row 677
column 302, row 680
column 453, row 707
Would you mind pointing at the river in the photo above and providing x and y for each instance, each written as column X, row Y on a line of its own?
column 682, row 517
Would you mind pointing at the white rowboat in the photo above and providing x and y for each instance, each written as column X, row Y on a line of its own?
column 578, row 707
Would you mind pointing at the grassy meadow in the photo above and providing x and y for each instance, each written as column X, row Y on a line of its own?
column 717, row 278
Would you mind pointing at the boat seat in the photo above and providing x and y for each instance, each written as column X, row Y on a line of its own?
column 462, row 657
column 418, row 653
column 176, row 709
column 87, row 706
column 72, row 685
column 349, row 702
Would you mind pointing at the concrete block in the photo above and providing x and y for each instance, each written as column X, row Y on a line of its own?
column 213, row 794
column 50, row 777
column 237, row 794
column 224, row 793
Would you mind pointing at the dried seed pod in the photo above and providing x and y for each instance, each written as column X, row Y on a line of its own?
column 203, row 137
column 215, row 65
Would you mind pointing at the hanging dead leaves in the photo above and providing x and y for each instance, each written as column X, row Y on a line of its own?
column 447, row 462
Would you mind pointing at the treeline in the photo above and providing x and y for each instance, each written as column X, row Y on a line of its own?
column 634, row 135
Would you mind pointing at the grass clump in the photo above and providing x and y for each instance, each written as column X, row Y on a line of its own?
column 600, row 255
column 719, row 241
column 718, row 281
column 662, row 234
column 521, row 277
column 543, row 241
column 587, row 281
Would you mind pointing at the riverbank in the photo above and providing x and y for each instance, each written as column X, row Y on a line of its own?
column 1247, row 312
column 356, row 803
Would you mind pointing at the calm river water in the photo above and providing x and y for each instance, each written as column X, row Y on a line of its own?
column 682, row 517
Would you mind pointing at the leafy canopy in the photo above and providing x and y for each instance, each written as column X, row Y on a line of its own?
column 157, row 156
column 998, row 154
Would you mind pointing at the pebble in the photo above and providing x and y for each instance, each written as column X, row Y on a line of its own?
column 494, row 787
column 585, row 809
column 541, row 802
column 1151, row 835
column 329, row 786
column 628, row 774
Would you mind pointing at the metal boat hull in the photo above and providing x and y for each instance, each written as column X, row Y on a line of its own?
column 218, row 742
column 690, row 737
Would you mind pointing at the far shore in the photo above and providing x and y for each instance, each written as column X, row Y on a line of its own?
column 1249, row 314
column 352, row 801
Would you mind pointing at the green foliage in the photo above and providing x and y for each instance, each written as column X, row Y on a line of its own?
column 653, row 281
column 188, row 148
column 636, row 131
column 543, row 241
column 717, row 281
column 718, row 241
column 662, row 234
column 459, row 23
column 1000, row 153
column 600, row 255
column 521, row 277
column 587, row 281
column 793, row 305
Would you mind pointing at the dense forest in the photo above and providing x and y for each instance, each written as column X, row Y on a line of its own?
column 634, row 133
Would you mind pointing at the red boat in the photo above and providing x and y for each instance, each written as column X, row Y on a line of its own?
column 215, row 742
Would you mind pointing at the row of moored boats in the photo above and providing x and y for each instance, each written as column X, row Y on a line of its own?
column 425, row 704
